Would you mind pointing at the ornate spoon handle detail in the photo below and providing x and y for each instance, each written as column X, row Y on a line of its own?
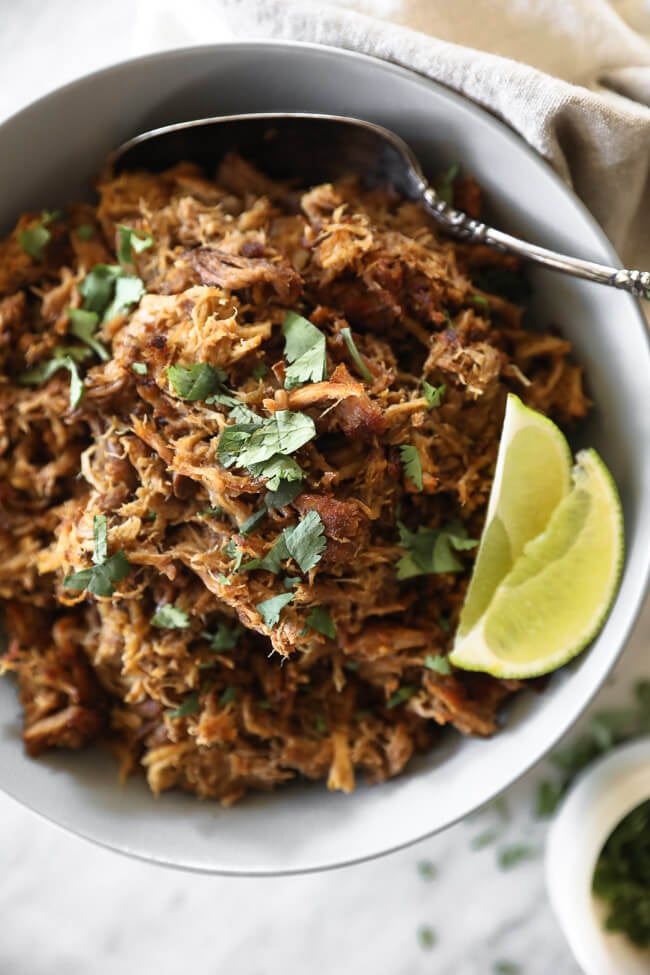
column 458, row 224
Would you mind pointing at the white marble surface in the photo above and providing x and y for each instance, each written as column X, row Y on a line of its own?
column 69, row 907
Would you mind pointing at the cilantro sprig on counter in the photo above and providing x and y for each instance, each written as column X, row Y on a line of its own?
column 304, row 349
column 99, row 578
column 431, row 550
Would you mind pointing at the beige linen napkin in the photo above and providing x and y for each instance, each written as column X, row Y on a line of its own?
column 571, row 76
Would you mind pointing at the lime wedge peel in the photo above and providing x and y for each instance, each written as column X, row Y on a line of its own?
column 531, row 477
column 555, row 598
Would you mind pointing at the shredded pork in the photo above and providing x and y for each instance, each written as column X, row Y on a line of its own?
column 228, row 259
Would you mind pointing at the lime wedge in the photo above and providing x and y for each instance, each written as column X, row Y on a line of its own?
column 555, row 598
column 532, row 476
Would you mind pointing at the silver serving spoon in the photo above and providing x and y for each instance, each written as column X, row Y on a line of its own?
column 322, row 148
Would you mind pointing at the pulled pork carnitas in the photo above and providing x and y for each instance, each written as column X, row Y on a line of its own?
column 247, row 438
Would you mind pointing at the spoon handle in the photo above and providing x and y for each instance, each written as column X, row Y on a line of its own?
column 458, row 224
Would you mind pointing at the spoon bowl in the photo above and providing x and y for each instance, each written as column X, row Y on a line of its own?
column 323, row 148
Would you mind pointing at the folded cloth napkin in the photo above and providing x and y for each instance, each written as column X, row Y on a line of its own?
column 571, row 76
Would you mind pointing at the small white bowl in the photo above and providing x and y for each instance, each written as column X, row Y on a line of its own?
column 600, row 799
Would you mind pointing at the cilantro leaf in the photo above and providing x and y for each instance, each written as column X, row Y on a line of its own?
column 189, row 706
column 283, row 432
column 250, row 523
column 131, row 240
column 286, row 492
column 304, row 349
column 549, row 795
column 306, row 542
column 426, row 937
column 99, row 578
column 356, row 355
column 171, row 618
column 510, row 856
column 128, row 291
column 228, row 696
column 33, row 240
column 445, row 184
column 321, row 621
column 45, row 370
column 83, row 325
column 86, row 231
column 431, row 550
column 140, row 368
column 270, row 609
column 109, row 291
column 401, row 695
column 277, row 471
column 259, row 370
column 224, row 638
column 437, row 663
column 196, row 382
column 411, row 463
column 433, row 394
column 482, row 303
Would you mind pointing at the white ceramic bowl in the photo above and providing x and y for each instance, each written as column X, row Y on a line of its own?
column 600, row 799
column 48, row 153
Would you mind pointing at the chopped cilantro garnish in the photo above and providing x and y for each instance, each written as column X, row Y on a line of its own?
column 319, row 723
column 287, row 492
column 437, row 663
column 411, row 463
column 433, row 394
column 171, row 617
column 304, row 543
column 195, row 382
column 224, row 637
column 486, row 838
column 506, row 968
column 250, row 523
column 431, row 550
column 62, row 359
column 510, row 856
column 321, row 621
column 33, row 240
column 270, row 609
column 548, row 797
column 427, row 870
column 109, row 291
column 140, row 368
column 99, row 578
column 189, row 706
column 622, row 877
column 83, row 325
column 86, row 231
column 264, row 448
column 290, row 582
column 356, row 355
column 399, row 696
column 426, row 937
column 259, row 370
column 304, row 349
column 216, row 512
column 131, row 241
column 445, row 184
column 482, row 302
column 228, row 696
